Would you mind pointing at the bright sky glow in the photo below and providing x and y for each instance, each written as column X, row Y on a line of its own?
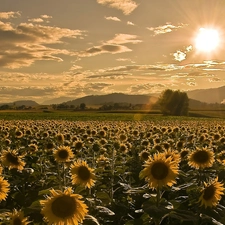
column 207, row 39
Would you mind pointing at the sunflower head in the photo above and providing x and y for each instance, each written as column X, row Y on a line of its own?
column 18, row 134
column 201, row 158
column 63, row 154
column 11, row 159
column 4, row 188
column 211, row 193
column 144, row 155
column 82, row 174
column 17, row 218
column 159, row 171
column 63, row 208
column 78, row 145
column 60, row 138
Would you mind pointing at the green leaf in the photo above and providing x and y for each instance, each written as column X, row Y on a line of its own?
column 105, row 210
column 44, row 192
column 183, row 215
column 104, row 197
column 156, row 212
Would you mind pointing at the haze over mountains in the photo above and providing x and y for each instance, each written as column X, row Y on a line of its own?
column 212, row 95
column 209, row 96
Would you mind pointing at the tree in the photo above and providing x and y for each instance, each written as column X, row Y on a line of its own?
column 82, row 106
column 174, row 103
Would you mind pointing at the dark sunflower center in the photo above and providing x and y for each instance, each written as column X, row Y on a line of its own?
column 63, row 154
column 50, row 145
column 17, row 221
column 209, row 192
column 64, row 206
column 12, row 159
column 159, row 170
column 83, row 173
column 78, row 145
column 145, row 155
column 201, row 157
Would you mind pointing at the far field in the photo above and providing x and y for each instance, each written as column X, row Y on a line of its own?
column 138, row 115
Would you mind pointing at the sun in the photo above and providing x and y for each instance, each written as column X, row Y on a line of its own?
column 207, row 40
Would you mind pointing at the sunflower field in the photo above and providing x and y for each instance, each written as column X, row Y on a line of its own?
column 161, row 172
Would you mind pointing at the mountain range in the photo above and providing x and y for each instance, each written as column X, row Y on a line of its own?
column 208, row 96
column 197, row 97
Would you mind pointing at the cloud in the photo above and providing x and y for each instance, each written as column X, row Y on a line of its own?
column 115, row 45
column 75, row 67
column 47, row 34
column 112, row 18
column 192, row 84
column 46, row 16
column 147, row 88
column 165, row 28
column 107, row 48
column 8, row 15
column 215, row 79
column 130, row 23
column 36, row 20
column 124, row 39
column 126, row 6
column 124, row 60
column 179, row 56
column 23, row 45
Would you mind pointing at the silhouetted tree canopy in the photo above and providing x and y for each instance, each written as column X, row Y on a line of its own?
column 82, row 106
column 174, row 103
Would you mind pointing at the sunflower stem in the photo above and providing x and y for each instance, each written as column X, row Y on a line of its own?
column 64, row 180
column 158, row 196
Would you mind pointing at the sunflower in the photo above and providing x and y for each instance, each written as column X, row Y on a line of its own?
column 78, row 145
column 82, row 174
column 4, row 188
column 211, row 194
column 159, row 171
column 62, row 208
column 63, row 154
column 220, row 157
column 32, row 148
column 175, row 156
column 144, row 154
column 201, row 158
column 102, row 161
column 18, row 134
column 60, row 138
column 11, row 159
column 17, row 217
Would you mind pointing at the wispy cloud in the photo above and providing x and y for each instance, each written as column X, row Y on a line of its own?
column 106, row 48
column 124, row 39
column 165, row 28
column 126, row 6
column 75, row 67
column 115, row 45
column 112, row 18
column 36, row 20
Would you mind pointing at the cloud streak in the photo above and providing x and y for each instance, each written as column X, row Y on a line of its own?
column 126, row 6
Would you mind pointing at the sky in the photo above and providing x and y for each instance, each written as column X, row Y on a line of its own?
column 74, row 48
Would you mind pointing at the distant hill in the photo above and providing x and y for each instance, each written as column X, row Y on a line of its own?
column 57, row 100
column 211, row 95
column 113, row 98
column 26, row 103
